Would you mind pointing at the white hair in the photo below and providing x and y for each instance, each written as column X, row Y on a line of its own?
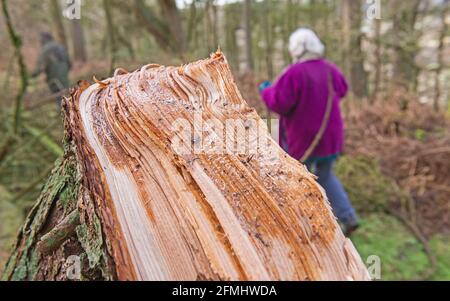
column 304, row 40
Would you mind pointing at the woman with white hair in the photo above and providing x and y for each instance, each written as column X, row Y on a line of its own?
column 307, row 97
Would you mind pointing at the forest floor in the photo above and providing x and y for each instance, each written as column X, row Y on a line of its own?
column 396, row 169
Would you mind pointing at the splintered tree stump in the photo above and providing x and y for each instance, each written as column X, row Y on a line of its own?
column 168, row 174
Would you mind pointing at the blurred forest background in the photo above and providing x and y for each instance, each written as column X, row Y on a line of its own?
column 396, row 56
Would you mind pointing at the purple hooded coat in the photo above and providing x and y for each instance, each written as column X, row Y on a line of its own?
column 300, row 97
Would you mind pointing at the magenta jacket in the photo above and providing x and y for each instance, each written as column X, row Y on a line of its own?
column 300, row 96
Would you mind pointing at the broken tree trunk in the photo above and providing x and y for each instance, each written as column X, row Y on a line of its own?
column 169, row 175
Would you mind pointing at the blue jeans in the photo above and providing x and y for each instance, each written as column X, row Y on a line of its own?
column 337, row 196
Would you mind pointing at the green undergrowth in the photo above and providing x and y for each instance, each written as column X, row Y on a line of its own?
column 402, row 256
column 25, row 166
column 369, row 190
column 11, row 217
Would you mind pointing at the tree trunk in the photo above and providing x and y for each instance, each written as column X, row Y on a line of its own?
column 152, row 187
column 405, row 42
column 268, row 40
column 112, row 38
column 378, row 61
column 232, row 23
column 354, row 56
column 37, row 258
column 166, row 30
column 312, row 13
column 210, row 22
column 78, row 41
column 56, row 11
column 192, row 26
column 440, row 62
column 289, row 27
column 247, row 20
column 207, row 28
column 173, row 19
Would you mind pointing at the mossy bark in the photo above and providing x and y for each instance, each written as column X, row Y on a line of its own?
column 62, row 223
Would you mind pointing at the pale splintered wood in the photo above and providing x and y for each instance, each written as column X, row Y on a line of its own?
column 171, row 215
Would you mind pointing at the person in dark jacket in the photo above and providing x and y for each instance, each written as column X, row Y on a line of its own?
column 55, row 63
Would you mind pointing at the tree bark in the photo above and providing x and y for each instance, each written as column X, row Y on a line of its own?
column 354, row 56
column 56, row 11
column 192, row 26
column 405, row 37
column 112, row 38
column 378, row 61
column 62, row 195
column 167, row 31
column 232, row 23
column 210, row 22
column 440, row 62
column 78, row 41
column 171, row 14
column 247, row 22
column 150, row 188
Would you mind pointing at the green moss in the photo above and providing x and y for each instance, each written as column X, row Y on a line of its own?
column 59, row 192
column 33, row 265
column 68, row 197
column 20, row 272
column 63, row 177
column 92, row 242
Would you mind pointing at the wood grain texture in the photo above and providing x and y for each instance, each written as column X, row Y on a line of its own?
column 187, row 206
